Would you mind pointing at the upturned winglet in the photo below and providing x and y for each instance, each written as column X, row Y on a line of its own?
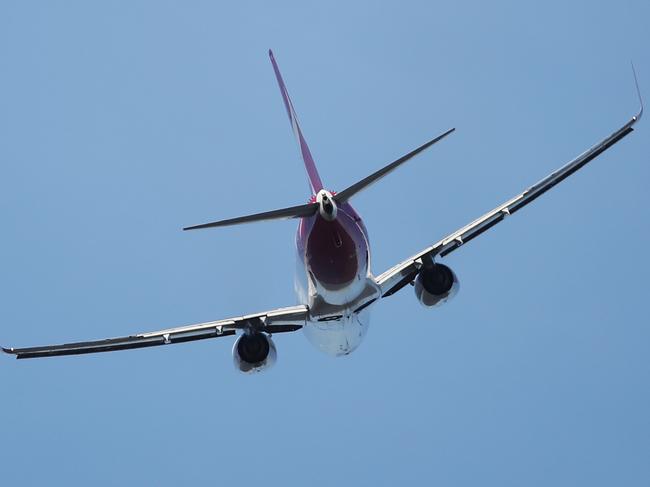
column 638, row 92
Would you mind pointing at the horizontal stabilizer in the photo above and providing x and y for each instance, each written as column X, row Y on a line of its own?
column 292, row 212
column 346, row 194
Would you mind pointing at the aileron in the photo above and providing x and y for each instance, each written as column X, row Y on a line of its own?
column 397, row 277
column 276, row 321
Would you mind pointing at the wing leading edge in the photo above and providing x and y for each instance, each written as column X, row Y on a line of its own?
column 403, row 273
column 274, row 321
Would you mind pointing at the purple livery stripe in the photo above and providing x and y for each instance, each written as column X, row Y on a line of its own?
column 314, row 179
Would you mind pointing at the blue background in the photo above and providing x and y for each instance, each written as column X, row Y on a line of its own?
column 121, row 122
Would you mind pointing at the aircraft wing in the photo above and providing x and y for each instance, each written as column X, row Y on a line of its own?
column 405, row 272
column 274, row 321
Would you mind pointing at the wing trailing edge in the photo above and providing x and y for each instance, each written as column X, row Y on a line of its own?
column 403, row 273
column 280, row 320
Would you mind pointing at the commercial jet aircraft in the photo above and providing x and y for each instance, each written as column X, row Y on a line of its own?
column 335, row 285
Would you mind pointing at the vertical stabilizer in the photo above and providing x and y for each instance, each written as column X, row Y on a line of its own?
column 312, row 173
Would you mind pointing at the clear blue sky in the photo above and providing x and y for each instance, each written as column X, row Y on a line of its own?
column 121, row 122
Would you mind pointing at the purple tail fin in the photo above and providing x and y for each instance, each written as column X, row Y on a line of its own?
column 314, row 179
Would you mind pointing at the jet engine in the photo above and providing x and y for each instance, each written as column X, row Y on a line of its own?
column 436, row 284
column 254, row 352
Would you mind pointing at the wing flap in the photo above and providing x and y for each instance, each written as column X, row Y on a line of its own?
column 400, row 275
column 110, row 344
column 274, row 321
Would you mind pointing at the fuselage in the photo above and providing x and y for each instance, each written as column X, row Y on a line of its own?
column 334, row 279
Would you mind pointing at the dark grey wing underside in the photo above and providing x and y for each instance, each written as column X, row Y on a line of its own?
column 490, row 219
column 274, row 321
column 399, row 276
column 110, row 345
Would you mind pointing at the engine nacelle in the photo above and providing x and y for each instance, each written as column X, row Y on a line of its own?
column 436, row 285
column 254, row 352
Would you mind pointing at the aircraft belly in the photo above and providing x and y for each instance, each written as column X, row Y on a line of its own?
column 338, row 337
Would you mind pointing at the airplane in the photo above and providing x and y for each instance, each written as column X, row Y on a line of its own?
column 335, row 285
